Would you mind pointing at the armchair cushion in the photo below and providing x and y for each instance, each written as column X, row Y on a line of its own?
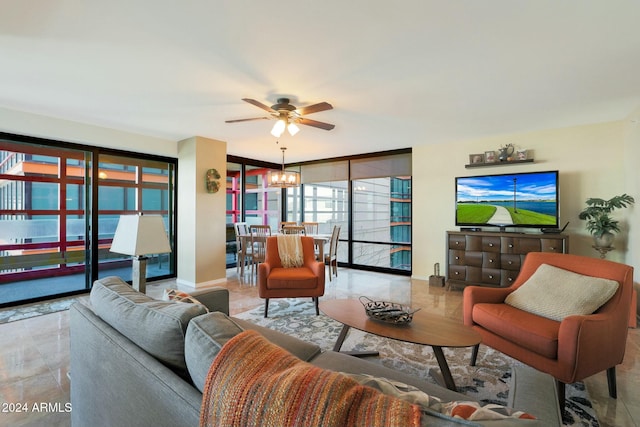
column 527, row 330
column 292, row 278
column 556, row 293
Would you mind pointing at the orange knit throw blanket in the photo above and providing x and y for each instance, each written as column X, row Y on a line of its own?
column 252, row 382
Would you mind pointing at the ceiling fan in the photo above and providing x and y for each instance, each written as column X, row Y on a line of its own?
column 288, row 115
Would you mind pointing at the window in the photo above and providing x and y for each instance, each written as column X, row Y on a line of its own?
column 370, row 196
column 249, row 199
column 382, row 223
column 43, row 220
column 126, row 186
column 49, row 242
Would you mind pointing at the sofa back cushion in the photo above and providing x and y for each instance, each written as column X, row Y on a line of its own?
column 205, row 337
column 158, row 327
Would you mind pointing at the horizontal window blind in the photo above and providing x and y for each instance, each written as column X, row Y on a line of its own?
column 325, row 172
column 383, row 166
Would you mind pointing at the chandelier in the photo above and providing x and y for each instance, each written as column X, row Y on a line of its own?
column 282, row 178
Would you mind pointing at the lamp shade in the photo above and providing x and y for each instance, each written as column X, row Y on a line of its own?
column 278, row 128
column 140, row 235
column 293, row 129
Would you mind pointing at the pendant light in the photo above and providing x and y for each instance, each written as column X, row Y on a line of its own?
column 283, row 178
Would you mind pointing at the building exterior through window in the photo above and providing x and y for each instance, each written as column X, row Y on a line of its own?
column 50, row 243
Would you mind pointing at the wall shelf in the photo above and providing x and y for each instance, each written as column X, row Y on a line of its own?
column 484, row 165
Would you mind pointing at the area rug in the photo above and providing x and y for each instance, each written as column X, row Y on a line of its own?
column 488, row 381
column 27, row 311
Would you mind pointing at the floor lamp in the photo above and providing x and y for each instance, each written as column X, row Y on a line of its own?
column 138, row 236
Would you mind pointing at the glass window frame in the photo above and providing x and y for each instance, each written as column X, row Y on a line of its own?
column 91, row 155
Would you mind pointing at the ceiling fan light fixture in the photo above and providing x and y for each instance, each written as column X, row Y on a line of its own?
column 278, row 128
column 293, row 129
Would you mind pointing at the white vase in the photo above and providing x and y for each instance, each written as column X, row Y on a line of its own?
column 603, row 241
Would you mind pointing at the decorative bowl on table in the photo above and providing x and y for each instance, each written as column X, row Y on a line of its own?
column 388, row 312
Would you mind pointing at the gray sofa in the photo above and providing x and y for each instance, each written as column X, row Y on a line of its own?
column 141, row 362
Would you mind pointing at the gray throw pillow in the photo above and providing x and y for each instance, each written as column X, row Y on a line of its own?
column 205, row 337
column 158, row 327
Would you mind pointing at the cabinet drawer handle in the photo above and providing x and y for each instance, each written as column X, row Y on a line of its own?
column 457, row 273
column 457, row 243
column 490, row 276
column 490, row 260
column 510, row 262
column 510, row 279
column 457, row 257
column 490, row 245
column 552, row 248
column 510, row 245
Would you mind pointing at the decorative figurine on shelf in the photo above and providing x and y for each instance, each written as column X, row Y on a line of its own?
column 211, row 181
column 505, row 152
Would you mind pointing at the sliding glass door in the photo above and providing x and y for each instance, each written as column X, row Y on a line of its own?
column 129, row 186
column 50, row 243
column 43, row 220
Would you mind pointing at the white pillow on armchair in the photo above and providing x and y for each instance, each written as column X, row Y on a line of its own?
column 556, row 293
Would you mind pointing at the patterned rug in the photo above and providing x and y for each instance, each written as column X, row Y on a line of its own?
column 488, row 381
column 27, row 311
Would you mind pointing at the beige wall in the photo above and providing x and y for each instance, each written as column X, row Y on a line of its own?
column 20, row 123
column 632, row 187
column 594, row 161
column 202, row 215
column 591, row 163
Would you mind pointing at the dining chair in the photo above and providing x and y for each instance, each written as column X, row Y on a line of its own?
column 283, row 224
column 293, row 229
column 310, row 227
column 331, row 259
column 242, row 253
column 259, row 234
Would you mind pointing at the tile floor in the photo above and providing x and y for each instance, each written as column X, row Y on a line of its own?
column 34, row 353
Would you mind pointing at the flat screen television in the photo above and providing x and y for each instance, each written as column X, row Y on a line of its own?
column 529, row 200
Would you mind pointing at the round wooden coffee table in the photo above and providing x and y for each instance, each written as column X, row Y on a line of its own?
column 425, row 329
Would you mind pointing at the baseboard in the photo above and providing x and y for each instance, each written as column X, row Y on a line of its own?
column 181, row 283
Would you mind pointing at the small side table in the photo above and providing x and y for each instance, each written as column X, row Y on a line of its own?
column 603, row 250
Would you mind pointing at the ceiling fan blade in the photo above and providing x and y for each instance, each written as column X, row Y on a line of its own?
column 322, row 106
column 247, row 120
column 315, row 124
column 259, row 104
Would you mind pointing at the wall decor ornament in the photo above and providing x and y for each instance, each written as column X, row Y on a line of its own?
column 211, row 181
column 505, row 152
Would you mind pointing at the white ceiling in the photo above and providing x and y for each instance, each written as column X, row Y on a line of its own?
column 398, row 74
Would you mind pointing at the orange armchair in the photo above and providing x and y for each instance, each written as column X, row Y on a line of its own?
column 570, row 350
column 275, row 281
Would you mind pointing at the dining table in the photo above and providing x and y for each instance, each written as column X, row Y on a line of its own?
column 319, row 240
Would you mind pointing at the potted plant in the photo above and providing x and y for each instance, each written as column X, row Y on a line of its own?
column 599, row 222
